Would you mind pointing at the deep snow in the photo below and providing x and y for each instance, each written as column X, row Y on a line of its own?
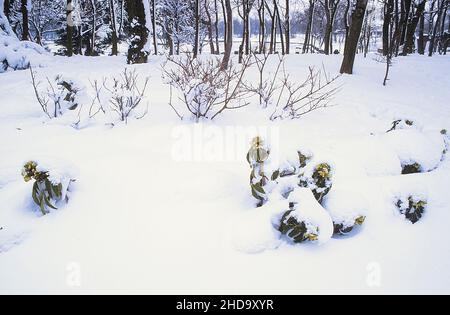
column 149, row 217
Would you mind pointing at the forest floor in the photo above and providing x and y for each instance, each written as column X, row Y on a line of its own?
column 145, row 218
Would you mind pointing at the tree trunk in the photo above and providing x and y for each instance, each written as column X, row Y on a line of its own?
column 209, row 25
column 25, row 20
column 353, row 36
column 216, row 26
column 155, row 41
column 435, row 28
column 411, row 29
column 388, row 11
column 114, row 37
column 229, row 37
column 139, row 32
column 288, row 28
column 421, row 40
column 262, row 28
column 308, row 34
column 69, row 44
column 94, row 28
column 197, row 28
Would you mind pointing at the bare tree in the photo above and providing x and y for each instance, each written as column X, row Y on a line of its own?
column 229, row 35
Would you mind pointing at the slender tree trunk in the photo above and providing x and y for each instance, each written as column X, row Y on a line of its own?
column 411, row 29
column 209, row 28
column 353, row 36
column 435, row 29
column 94, row 27
column 197, row 28
column 225, row 24
column 25, row 20
column 262, row 28
column 421, row 40
column 69, row 44
column 406, row 9
column 346, row 23
column 229, row 31
column 216, row 26
column 114, row 38
column 280, row 27
column 288, row 27
column 155, row 40
column 308, row 34
column 388, row 11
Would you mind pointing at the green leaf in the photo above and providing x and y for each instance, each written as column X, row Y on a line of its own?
column 259, row 188
column 47, row 202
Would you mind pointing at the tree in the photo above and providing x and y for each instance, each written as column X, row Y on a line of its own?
column 197, row 28
column 25, row 7
column 137, row 51
column 114, row 31
column 330, row 7
column 353, row 36
column 70, row 19
column 229, row 35
column 411, row 28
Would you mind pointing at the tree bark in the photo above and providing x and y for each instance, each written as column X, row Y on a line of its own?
column 353, row 36
column 114, row 37
column 288, row 27
column 229, row 38
column 388, row 11
column 25, row 20
column 197, row 28
column 139, row 32
column 155, row 41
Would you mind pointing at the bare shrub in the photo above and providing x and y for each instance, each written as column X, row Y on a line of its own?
column 126, row 95
column 290, row 99
column 205, row 89
column 59, row 96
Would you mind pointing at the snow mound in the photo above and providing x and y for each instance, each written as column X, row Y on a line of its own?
column 253, row 231
column 413, row 146
column 308, row 210
column 16, row 54
column 345, row 207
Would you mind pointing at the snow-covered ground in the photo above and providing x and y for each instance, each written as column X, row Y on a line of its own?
column 162, row 206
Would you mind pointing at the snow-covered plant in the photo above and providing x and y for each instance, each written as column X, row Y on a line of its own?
column 319, row 181
column 413, row 208
column 48, row 190
column 127, row 95
column 306, row 220
column 411, row 168
column 298, row 231
column 401, row 124
column 256, row 157
column 347, row 210
column 59, row 96
column 205, row 89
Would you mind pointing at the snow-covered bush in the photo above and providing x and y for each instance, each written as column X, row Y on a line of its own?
column 318, row 179
column 412, row 207
column 50, row 188
column 126, row 95
column 347, row 210
column 16, row 54
column 418, row 151
column 205, row 89
column 59, row 96
column 306, row 220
